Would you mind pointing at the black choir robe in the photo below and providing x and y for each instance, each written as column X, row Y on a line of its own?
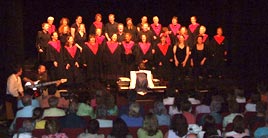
column 193, row 31
column 80, row 40
column 164, row 54
column 133, row 31
column 157, row 30
column 55, row 54
column 149, row 35
column 91, row 56
column 112, row 61
column 42, row 40
column 174, row 31
column 128, row 57
column 73, row 74
column 144, row 54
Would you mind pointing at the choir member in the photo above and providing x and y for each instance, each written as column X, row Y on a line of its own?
column 52, row 27
column 128, row 58
column 219, row 48
column 144, row 20
column 174, row 27
column 198, row 58
column 75, row 26
column 71, row 60
column 111, row 56
column 156, row 29
column 164, row 59
column 165, row 32
column 42, row 43
column 130, row 28
column 184, row 32
column 91, row 59
column 99, row 37
column 55, row 57
column 110, row 27
column 193, row 31
column 181, row 53
column 145, row 52
column 202, row 32
column 63, row 22
column 80, row 36
column 64, row 32
column 120, row 33
column 146, row 31
column 96, row 24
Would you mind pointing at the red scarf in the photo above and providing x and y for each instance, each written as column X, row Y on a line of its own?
column 193, row 27
column 51, row 29
column 157, row 28
column 112, row 46
column 128, row 46
column 163, row 48
column 94, row 48
column 144, row 47
column 56, row 45
column 175, row 28
column 99, row 39
column 71, row 50
column 219, row 39
column 98, row 24
column 205, row 36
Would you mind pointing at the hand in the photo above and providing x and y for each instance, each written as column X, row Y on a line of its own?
column 145, row 61
column 183, row 64
column 155, row 37
column 55, row 63
column 85, row 65
column 153, row 51
column 202, row 62
column 160, row 64
column 67, row 66
column 225, row 53
column 171, row 60
column 40, row 51
column 76, row 64
column 109, row 39
column 192, row 63
column 176, row 63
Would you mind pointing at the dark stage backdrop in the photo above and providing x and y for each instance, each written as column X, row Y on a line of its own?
column 244, row 24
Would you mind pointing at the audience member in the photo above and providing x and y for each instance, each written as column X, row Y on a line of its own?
column 150, row 127
column 178, row 127
column 234, row 111
column 119, row 130
column 186, row 111
column 53, row 111
column 101, row 114
column 25, row 131
column 37, row 118
column 133, row 118
column 161, row 113
column 52, row 130
column 251, row 105
column 239, row 129
column 84, row 107
column 262, row 132
column 92, row 130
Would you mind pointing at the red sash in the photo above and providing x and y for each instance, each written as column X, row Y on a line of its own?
column 157, row 29
column 219, row 39
column 112, row 46
column 98, row 24
column 99, row 39
column 128, row 46
column 175, row 28
column 205, row 36
column 163, row 48
column 193, row 27
column 144, row 47
column 56, row 45
column 71, row 50
column 94, row 48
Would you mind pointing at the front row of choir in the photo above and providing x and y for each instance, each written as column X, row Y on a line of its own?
column 98, row 59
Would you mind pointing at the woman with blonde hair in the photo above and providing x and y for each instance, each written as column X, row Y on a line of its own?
column 150, row 128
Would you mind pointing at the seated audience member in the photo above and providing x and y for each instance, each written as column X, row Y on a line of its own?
column 150, row 128
column 262, row 89
column 259, row 117
column 239, row 94
column 84, row 108
column 38, row 118
column 141, row 80
column 92, row 130
column 112, row 109
column 234, row 111
column 124, row 109
column 71, row 120
column 193, row 98
column 176, row 107
column 161, row 113
column 53, row 111
column 35, row 102
column 178, row 127
column 239, row 129
column 209, row 127
column 25, row 131
column 26, row 111
column 251, row 105
column 52, row 130
column 120, row 130
column 204, row 106
column 186, row 111
column 101, row 114
column 133, row 118
column 215, row 108
column 262, row 132
column 62, row 102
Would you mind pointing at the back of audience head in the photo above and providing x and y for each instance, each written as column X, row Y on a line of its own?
column 134, row 110
column 210, row 125
column 239, row 92
column 73, row 107
column 239, row 125
column 109, row 101
column 159, row 108
column 233, row 107
column 260, row 108
column 26, row 100
column 179, row 125
column 255, row 97
column 53, row 101
column 51, row 126
column 186, row 106
column 120, row 129
column 27, row 126
column 206, row 99
column 38, row 113
column 101, row 111
column 93, row 126
column 150, row 124
column 215, row 106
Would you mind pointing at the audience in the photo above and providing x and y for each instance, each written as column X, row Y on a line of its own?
column 161, row 113
column 92, row 130
column 186, row 111
column 53, row 111
column 133, row 118
column 119, row 130
column 38, row 118
column 251, row 105
column 209, row 127
column 52, row 130
column 262, row 132
column 150, row 127
column 84, row 108
column 178, row 127
column 239, row 129
column 25, row 131
column 101, row 114
column 109, row 101
column 234, row 111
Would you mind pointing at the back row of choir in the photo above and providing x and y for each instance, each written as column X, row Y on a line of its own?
column 112, row 50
